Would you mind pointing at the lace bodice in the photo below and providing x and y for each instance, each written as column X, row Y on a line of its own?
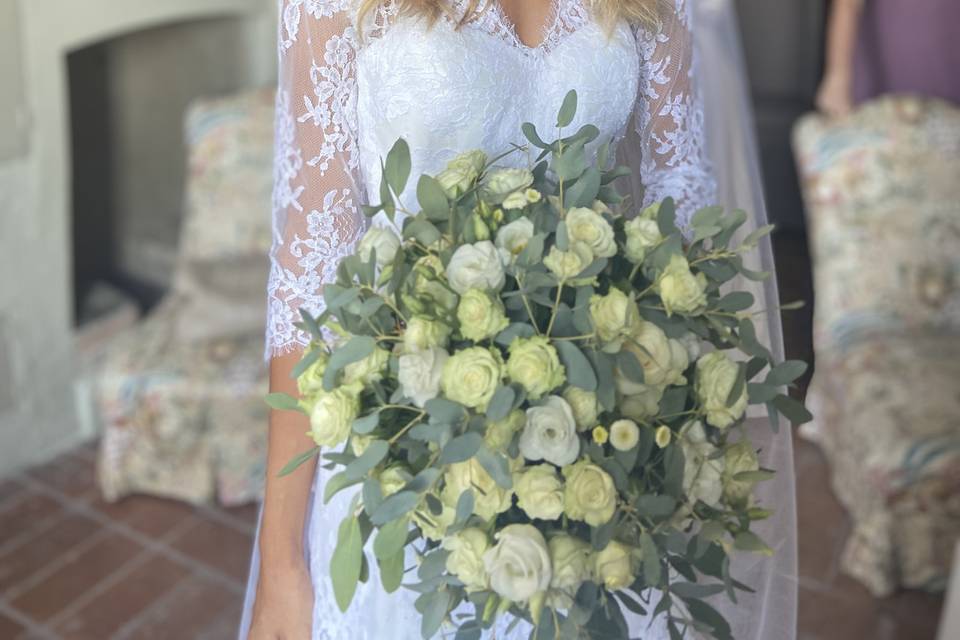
column 348, row 91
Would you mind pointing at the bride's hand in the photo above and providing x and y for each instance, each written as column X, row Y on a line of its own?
column 284, row 606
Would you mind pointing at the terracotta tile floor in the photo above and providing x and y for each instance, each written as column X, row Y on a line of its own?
column 75, row 567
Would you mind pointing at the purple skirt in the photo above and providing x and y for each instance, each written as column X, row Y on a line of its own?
column 909, row 46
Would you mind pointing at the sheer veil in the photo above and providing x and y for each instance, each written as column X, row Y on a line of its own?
column 770, row 613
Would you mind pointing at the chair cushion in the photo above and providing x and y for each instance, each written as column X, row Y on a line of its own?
column 230, row 179
column 883, row 202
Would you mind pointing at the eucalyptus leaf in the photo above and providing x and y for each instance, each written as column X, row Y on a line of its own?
column 497, row 466
column 371, row 457
column 391, row 571
column 786, row 372
column 579, row 370
column 530, row 132
column 584, row 191
column 337, row 483
column 792, row 410
column 294, row 464
column 461, row 448
column 346, row 561
column 356, row 349
column 432, row 198
column 366, row 424
column 567, row 110
column 395, row 506
column 283, row 402
column 391, row 538
column 501, row 403
column 397, row 167
column 651, row 559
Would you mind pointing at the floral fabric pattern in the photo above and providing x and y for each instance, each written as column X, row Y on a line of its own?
column 884, row 205
column 180, row 395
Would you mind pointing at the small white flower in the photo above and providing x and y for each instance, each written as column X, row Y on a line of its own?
column 624, row 435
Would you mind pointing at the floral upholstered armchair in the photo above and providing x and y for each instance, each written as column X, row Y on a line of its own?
column 180, row 395
column 882, row 189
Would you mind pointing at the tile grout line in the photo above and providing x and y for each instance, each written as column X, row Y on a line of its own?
column 53, row 566
column 41, row 526
column 88, row 596
column 29, row 624
column 131, row 625
column 161, row 546
column 226, row 519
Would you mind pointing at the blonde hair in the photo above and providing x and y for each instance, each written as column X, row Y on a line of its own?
column 607, row 12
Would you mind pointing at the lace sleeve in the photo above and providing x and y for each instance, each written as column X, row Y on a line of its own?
column 316, row 200
column 669, row 116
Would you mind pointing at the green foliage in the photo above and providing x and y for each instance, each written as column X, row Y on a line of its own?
column 397, row 455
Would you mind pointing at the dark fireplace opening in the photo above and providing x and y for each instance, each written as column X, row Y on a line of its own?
column 100, row 284
column 128, row 98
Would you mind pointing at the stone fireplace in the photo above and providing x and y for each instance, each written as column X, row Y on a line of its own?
column 90, row 194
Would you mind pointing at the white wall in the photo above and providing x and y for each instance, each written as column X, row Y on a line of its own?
column 37, row 413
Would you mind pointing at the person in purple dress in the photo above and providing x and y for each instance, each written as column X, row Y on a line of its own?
column 878, row 47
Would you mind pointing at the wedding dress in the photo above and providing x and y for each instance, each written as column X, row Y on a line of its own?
column 347, row 91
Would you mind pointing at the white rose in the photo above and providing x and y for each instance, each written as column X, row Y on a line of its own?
column 519, row 564
column 393, row 479
column 461, row 171
column 550, row 433
column 332, row 416
column 465, row 561
column 568, row 264
column 589, row 493
column 476, row 266
column 738, row 458
column 369, row 369
column 419, row 374
column 425, row 333
column 702, row 471
column 642, row 235
column 539, row 492
column 570, row 558
column 489, row 497
column 500, row 183
column 384, row 241
column 715, row 378
column 642, row 404
column 663, row 360
column 513, row 238
column 613, row 316
column 681, row 290
column 585, row 406
column 614, row 566
column 587, row 226
column 624, row 435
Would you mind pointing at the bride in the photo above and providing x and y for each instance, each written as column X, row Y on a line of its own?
column 447, row 76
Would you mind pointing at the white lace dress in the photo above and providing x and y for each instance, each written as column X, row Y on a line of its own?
column 347, row 93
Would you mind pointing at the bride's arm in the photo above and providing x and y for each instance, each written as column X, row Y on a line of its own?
column 669, row 119
column 316, row 221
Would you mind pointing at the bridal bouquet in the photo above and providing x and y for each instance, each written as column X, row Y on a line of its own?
column 534, row 392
